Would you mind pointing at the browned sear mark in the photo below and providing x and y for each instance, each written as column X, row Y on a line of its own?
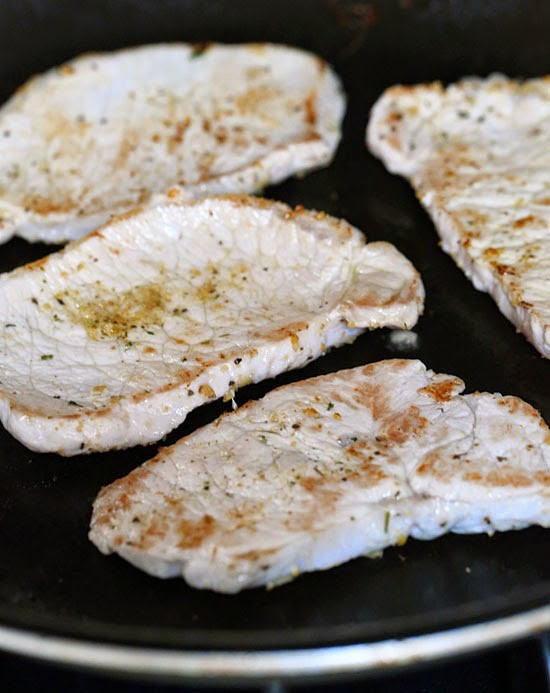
column 192, row 533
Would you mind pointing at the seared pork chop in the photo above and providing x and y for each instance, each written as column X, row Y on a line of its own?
column 110, row 342
column 105, row 132
column 478, row 156
column 324, row 470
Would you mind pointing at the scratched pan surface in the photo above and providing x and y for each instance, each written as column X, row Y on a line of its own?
column 53, row 581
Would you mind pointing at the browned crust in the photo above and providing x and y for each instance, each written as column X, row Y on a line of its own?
column 192, row 533
column 441, row 391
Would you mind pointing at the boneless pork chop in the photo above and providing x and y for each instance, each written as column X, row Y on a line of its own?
column 112, row 341
column 327, row 469
column 478, row 155
column 105, row 132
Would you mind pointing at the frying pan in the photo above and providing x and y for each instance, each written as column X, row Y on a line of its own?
column 63, row 601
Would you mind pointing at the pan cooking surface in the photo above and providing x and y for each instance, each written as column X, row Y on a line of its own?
column 52, row 579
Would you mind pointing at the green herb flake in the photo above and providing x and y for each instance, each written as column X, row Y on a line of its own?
column 46, row 357
column 386, row 521
column 198, row 50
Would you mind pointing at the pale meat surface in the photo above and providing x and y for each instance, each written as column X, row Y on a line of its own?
column 110, row 342
column 478, row 156
column 107, row 131
column 325, row 470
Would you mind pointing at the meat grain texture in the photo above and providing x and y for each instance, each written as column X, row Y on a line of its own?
column 327, row 469
column 110, row 342
column 478, row 156
column 108, row 131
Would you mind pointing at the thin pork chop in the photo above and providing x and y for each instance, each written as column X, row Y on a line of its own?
column 478, row 156
column 327, row 469
column 112, row 341
column 105, row 132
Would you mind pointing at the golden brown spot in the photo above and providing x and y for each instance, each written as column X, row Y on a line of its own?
column 256, row 99
column 44, row 205
column 254, row 555
column 311, row 412
column 394, row 141
column 192, row 533
column 310, row 111
column 206, row 291
column 432, row 464
column 403, row 426
column 368, row 473
column 221, row 135
column 440, row 391
column 287, row 331
column 472, row 476
column 503, row 269
column 520, row 223
column 309, row 483
column 373, row 398
column 127, row 146
column 394, row 117
column 66, row 70
column 475, row 218
column 375, row 300
column 119, row 495
column 55, row 125
column 259, row 48
column 36, row 264
column 157, row 530
column 508, row 477
column 490, row 253
column 112, row 314
column 199, row 48
column 515, row 405
column 179, row 130
column 207, row 391
column 324, row 502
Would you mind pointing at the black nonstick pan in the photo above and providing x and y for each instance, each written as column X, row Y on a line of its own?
column 61, row 600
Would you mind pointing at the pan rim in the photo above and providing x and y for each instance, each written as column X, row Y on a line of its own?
column 251, row 666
